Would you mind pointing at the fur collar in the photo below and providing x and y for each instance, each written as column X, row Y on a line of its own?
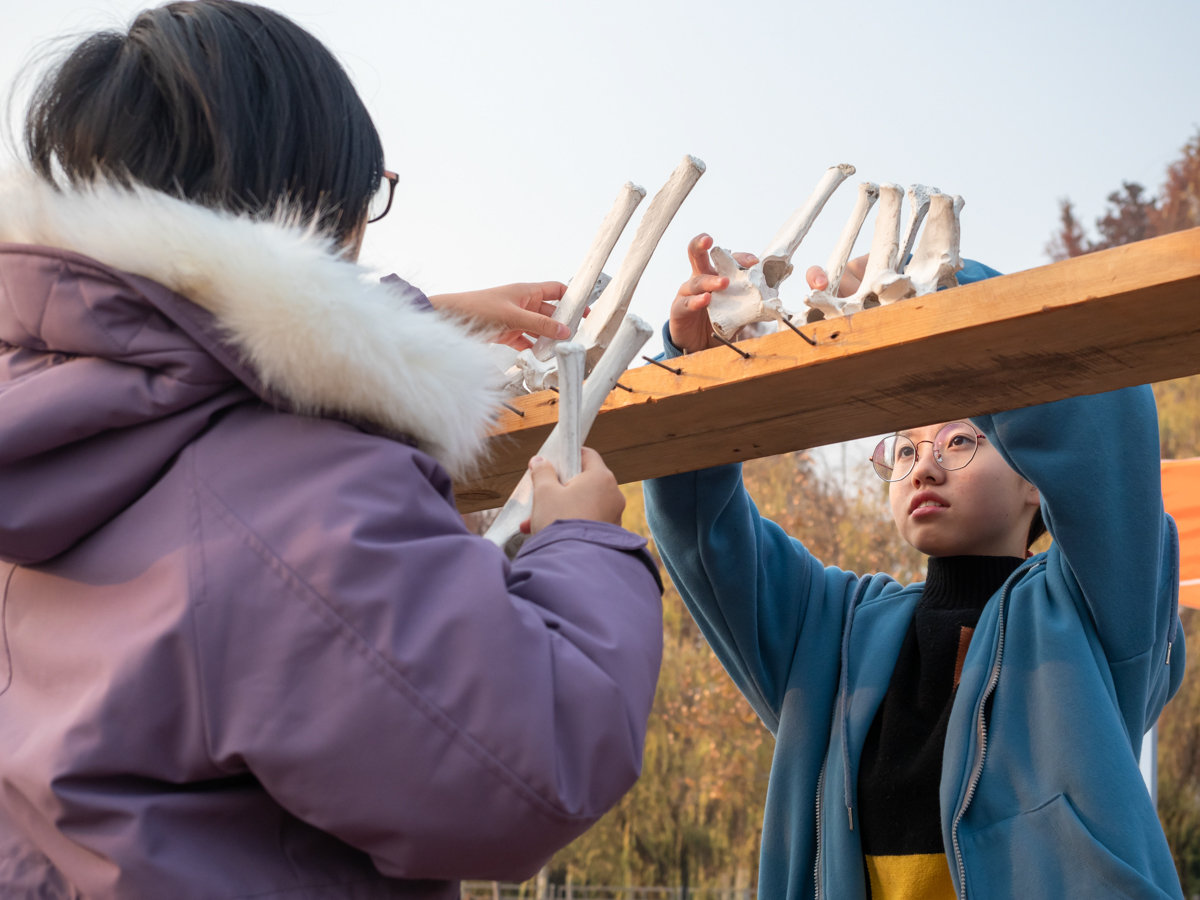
column 316, row 329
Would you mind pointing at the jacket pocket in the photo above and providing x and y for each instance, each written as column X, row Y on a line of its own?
column 1048, row 852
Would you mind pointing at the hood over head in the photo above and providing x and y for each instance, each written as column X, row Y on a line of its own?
column 129, row 319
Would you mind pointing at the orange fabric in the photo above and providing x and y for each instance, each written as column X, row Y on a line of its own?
column 1181, row 496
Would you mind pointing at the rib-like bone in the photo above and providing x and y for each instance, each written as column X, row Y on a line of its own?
column 753, row 293
column 575, row 300
column 598, row 328
column 918, row 206
column 776, row 260
column 624, row 346
column 826, row 302
column 881, row 282
column 569, row 445
column 936, row 259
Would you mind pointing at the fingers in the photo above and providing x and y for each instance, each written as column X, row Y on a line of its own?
column 591, row 462
column 816, row 278
column 745, row 260
column 697, row 251
column 702, row 284
column 538, row 324
column 541, row 472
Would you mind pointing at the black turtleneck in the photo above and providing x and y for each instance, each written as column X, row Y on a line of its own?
column 901, row 765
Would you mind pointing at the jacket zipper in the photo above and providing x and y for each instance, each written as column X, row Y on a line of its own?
column 981, row 730
column 817, row 864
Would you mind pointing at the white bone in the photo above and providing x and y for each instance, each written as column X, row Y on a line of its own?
column 918, row 206
column 630, row 337
column 747, row 299
column 936, row 259
column 534, row 374
column 576, row 299
column 881, row 282
column 598, row 328
column 826, row 303
column 567, row 459
column 753, row 293
column 776, row 260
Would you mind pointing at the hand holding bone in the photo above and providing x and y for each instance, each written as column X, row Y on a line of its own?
column 510, row 312
column 592, row 494
column 690, row 326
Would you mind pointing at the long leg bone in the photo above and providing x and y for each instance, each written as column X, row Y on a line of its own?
column 936, row 259
column 624, row 346
column 826, row 302
column 881, row 282
column 569, row 446
column 918, row 206
column 575, row 300
column 598, row 329
column 753, row 293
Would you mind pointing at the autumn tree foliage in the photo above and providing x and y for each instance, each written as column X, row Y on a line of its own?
column 1132, row 215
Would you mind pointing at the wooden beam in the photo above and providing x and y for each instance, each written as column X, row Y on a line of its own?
column 1130, row 315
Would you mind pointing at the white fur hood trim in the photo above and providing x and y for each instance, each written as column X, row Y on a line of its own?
column 316, row 329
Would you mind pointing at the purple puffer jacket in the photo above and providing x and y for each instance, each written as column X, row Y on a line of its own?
column 249, row 648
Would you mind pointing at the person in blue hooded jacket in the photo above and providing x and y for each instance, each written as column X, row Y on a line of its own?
column 975, row 735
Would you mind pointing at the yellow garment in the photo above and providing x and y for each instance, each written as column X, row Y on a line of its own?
column 913, row 876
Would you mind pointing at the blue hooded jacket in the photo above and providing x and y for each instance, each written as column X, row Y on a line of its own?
column 1070, row 664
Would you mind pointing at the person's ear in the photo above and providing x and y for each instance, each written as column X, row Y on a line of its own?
column 1033, row 496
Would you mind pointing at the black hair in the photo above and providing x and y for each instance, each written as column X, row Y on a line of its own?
column 227, row 104
column 1036, row 528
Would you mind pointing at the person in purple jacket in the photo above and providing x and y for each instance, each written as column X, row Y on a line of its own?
column 249, row 648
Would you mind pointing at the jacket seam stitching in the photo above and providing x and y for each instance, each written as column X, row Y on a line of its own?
column 396, row 680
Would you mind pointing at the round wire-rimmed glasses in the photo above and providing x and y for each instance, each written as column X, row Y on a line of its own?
column 381, row 201
column 953, row 447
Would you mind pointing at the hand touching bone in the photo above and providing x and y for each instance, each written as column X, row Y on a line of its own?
column 536, row 368
column 752, row 293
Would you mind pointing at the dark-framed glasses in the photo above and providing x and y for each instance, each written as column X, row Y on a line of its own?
column 953, row 447
column 381, row 201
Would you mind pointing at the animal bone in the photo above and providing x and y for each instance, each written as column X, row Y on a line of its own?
column 569, row 446
column 827, row 303
column 530, row 373
column 936, row 259
column 918, row 206
column 632, row 334
column 576, row 299
column 753, row 293
column 887, row 279
column 598, row 328
column 881, row 283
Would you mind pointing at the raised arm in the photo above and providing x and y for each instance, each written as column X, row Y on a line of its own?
column 1095, row 460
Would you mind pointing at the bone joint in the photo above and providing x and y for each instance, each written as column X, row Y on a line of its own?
column 753, row 293
column 630, row 337
column 609, row 298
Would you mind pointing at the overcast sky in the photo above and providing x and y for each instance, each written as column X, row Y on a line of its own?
column 513, row 125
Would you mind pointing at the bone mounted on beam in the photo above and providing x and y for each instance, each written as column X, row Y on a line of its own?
column 826, row 303
column 936, row 259
column 631, row 336
column 598, row 328
column 880, row 274
column 918, row 207
column 776, row 260
column 574, row 301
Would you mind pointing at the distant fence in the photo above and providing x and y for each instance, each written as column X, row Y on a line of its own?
column 490, row 890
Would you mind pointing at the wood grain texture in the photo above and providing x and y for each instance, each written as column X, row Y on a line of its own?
column 1130, row 315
